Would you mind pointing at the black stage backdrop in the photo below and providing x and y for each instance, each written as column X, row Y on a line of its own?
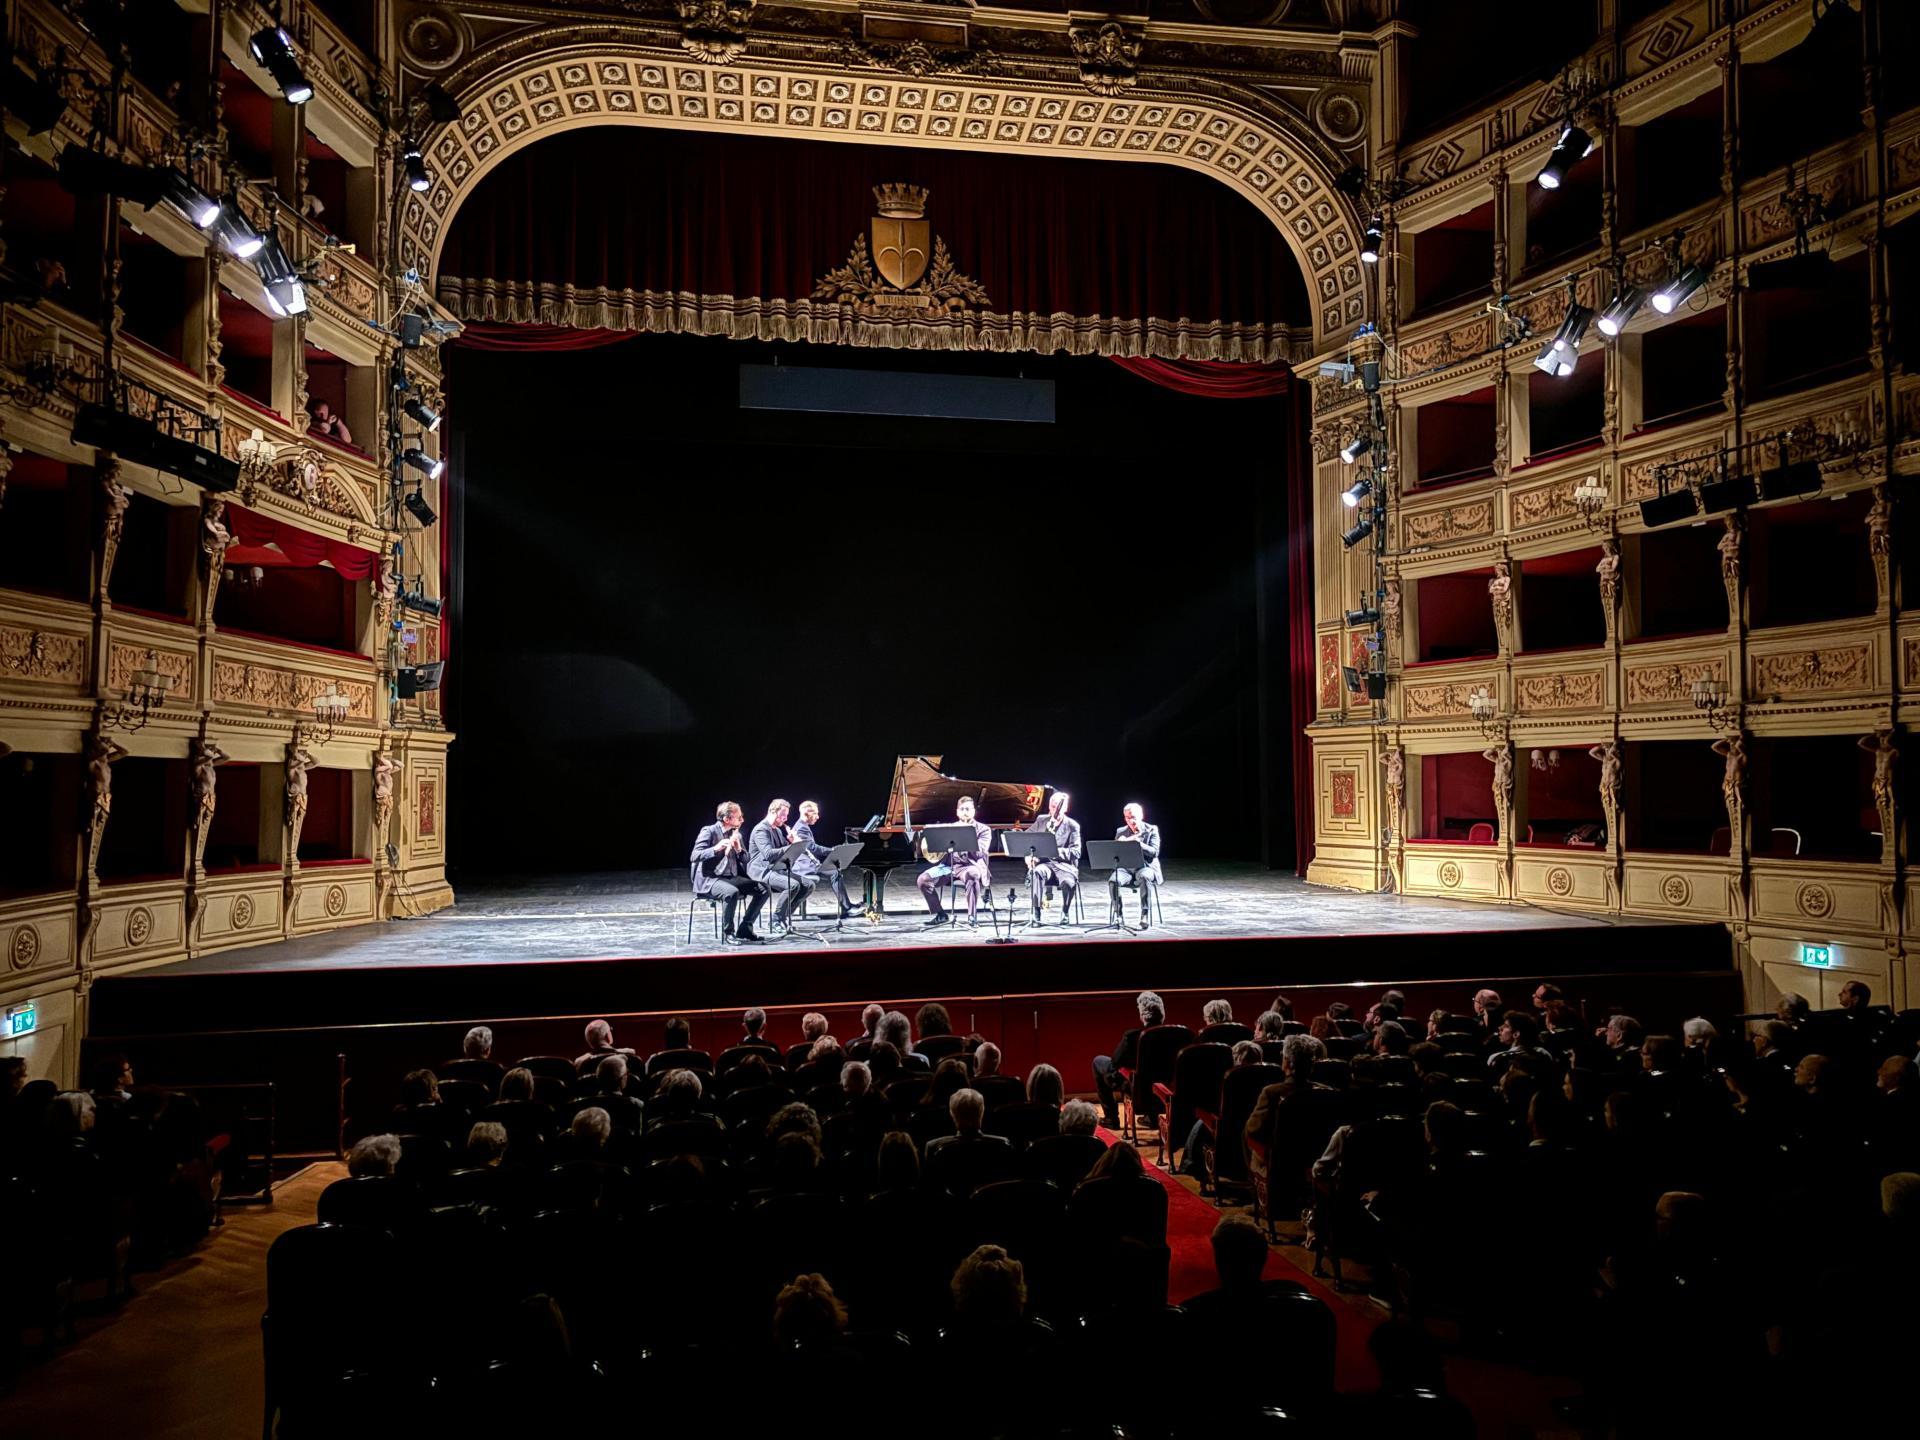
column 665, row 601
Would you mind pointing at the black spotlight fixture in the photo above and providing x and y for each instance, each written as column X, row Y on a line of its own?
column 236, row 236
column 193, row 202
column 422, row 414
column 1573, row 146
column 442, row 108
column 286, row 292
column 1666, row 508
column 413, row 330
column 423, row 462
column 273, row 48
column 418, row 507
column 1356, row 447
column 1727, row 492
column 1621, row 309
column 420, row 602
column 1676, row 292
column 1356, row 492
column 36, row 100
column 417, row 679
column 1365, row 616
column 1362, row 528
column 415, row 165
column 1371, row 240
column 88, row 172
column 1790, row 478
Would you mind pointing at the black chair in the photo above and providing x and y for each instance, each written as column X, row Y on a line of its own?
column 939, row 1047
column 1028, row 1217
column 1155, row 1051
column 1197, row 1070
column 1227, row 1032
column 1227, row 1128
column 910, row 1243
column 1000, row 1090
column 715, row 905
column 791, row 1235
column 962, row 1166
column 466, row 1097
column 1270, row 1347
column 1063, row 1159
column 734, row 1054
column 336, row 1306
column 662, row 1061
column 375, row 1202
column 1024, row 1123
column 484, row 1073
column 552, row 1067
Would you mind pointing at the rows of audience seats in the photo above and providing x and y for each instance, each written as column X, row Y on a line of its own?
column 93, row 1185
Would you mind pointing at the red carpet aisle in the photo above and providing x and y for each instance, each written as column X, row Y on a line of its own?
column 1190, row 1222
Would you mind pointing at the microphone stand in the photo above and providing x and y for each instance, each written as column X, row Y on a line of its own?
column 1009, row 938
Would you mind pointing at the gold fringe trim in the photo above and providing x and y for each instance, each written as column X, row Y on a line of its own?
column 684, row 313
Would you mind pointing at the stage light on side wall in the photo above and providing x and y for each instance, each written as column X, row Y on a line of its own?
column 193, row 202
column 1355, row 448
column 273, row 48
column 236, row 236
column 1362, row 528
column 286, row 293
column 36, row 100
column 1676, row 292
column 1621, row 309
column 1372, row 239
column 421, row 413
column 418, row 507
column 1666, row 509
column 423, row 462
column 1727, row 492
column 1790, row 478
column 415, row 165
column 1573, row 146
column 1356, row 492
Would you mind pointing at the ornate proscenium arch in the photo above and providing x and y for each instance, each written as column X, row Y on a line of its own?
column 540, row 89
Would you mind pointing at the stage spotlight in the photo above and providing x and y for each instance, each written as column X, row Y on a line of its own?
column 1356, row 447
column 193, row 202
column 1356, row 492
column 36, row 100
column 442, row 108
column 1363, row 617
column 1675, row 293
column 1621, row 309
column 416, row 167
column 273, row 48
column 1573, row 146
column 1665, row 509
column 1555, row 360
column 1790, row 478
column 87, row 172
column 416, row 679
column 423, row 414
column 1362, row 528
column 286, row 294
column 235, row 235
column 423, row 462
column 1371, row 241
column 1728, row 492
column 418, row 507
column 1573, row 329
column 413, row 599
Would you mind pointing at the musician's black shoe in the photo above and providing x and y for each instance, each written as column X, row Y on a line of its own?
column 851, row 912
column 747, row 937
column 939, row 917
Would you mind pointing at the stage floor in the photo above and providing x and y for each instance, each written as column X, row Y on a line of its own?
column 642, row 915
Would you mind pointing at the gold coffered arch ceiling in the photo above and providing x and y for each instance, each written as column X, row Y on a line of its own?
column 548, row 81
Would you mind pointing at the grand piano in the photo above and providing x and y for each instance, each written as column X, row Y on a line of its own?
column 921, row 796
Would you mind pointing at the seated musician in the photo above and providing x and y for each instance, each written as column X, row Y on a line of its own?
column 967, row 867
column 1063, row 871
column 719, row 869
column 809, row 863
column 1148, row 874
column 769, row 838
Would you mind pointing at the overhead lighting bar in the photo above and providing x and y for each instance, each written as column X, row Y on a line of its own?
column 1665, row 509
column 273, row 48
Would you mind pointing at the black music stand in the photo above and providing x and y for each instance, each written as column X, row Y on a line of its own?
column 944, row 840
column 1037, row 845
column 1110, row 855
column 840, row 860
column 783, row 920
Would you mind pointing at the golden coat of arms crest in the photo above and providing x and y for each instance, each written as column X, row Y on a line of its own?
column 900, row 264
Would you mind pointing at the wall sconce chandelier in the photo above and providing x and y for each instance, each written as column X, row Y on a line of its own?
column 1710, row 699
column 1485, row 711
column 147, row 691
column 256, row 455
column 1590, row 498
column 330, row 706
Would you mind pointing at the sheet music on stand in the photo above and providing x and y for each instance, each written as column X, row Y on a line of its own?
column 837, row 862
column 941, row 839
column 783, row 860
column 1110, row 855
column 1031, row 844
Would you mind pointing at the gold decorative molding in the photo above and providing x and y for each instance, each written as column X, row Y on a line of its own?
column 24, row 947
column 238, row 682
column 1812, row 671
column 50, row 657
column 1640, row 479
column 1470, row 521
column 1670, row 683
column 1429, row 702
column 1578, row 690
column 123, row 659
column 1543, row 504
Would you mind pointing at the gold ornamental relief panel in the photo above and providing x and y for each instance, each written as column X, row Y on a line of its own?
column 1544, row 504
column 1668, row 683
column 1563, row 879
column 1473, row 520
column 1811, row 672
column 140, row 930
column 268, row 687
column 124, row 657
column 42, row 657
column 1560, row 690
column 1640, row 479
column 1675, row 886
column 239, row 916
column 1465, row 872
column 1827, row 897
column 1444, row 699
column 329, row 897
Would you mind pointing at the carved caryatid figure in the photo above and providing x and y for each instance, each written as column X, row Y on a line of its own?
column 1733, row 781
column 1729, row 548
column 1395, row 761
column 1607, row 572
column 299, row 761
column 206, row 757
column 215, row 537
column 1885, row 756
column 385, row 767
column 100, row 758
column 1501, row 755
column 1500, row 592
column 1880, row 541
column 1608, row 754
column 113, row 518
column 1390, row 608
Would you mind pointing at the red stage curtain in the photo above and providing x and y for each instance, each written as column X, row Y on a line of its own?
column 302, row 547
column 1213, row 378
column 619, row 228
column 480, row 335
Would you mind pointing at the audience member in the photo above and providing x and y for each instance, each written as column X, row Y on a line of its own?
column 1109, row 1071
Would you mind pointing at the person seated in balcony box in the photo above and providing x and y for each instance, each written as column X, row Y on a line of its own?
column 325, row 422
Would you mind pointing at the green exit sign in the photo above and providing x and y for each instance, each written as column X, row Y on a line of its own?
column 22, row 1021
column 1819, row 956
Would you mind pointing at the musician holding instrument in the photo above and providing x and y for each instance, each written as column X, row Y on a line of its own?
column 809, row 863
column 719, row 870
column 1148, row 875
column 967, row 867
column 769, row 838
column 1064, row 871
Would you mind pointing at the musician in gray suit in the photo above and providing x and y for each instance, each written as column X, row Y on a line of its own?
column 1148, row 874
column 809, row 863
column 1063, row 872
column 769, row 838
column 719, row 869
column 967, row 867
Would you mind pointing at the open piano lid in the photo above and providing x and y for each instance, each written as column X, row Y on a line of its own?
column 921, row 792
